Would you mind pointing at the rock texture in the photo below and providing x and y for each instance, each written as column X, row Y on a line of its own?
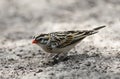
column 96, row 57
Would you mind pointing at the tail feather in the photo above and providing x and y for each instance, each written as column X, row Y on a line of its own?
column 99, row 28
column 95, row 30
column 81, row 35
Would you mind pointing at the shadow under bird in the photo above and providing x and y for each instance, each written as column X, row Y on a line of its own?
column 62, row 42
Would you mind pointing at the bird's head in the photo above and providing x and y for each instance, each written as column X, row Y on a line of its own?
column 41, row 39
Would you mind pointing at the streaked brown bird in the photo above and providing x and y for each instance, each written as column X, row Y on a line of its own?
column 59, row 43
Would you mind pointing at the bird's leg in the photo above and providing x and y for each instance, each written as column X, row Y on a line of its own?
column 55, row 58
column 49, row 55
column 52, row 56
column 49, row 58
column 60, row 57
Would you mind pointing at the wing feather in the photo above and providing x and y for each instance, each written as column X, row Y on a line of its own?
column 63, row 39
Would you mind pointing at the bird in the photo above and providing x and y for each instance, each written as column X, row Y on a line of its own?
column 58, row 44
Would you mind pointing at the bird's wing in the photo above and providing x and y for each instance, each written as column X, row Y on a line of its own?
column 63, row 39
column 72, row 37
column 67, row 41
column 57, row 39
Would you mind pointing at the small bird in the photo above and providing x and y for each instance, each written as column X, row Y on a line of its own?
column 59, row 43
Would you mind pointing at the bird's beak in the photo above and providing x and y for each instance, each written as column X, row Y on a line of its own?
column 34, row 42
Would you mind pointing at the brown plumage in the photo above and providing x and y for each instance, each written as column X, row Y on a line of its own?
column 62, row 42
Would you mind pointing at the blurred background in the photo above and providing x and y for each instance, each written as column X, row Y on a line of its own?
column 20, row 20
column 26, row 17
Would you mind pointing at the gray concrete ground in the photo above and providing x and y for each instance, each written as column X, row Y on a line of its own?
column 97, row 56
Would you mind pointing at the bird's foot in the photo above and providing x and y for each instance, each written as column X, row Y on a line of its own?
column 60, row 57
column 48, row 62
column 55, row 59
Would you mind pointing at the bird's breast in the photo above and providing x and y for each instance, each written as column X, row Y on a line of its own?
column 58, row 50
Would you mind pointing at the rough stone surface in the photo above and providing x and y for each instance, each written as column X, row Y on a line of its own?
column 96, row 57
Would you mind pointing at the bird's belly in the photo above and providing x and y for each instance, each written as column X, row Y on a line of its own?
column 58, row 50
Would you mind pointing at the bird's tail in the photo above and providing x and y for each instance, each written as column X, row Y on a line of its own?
column 99, row 28
column 95, row 30
column 81, row 35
